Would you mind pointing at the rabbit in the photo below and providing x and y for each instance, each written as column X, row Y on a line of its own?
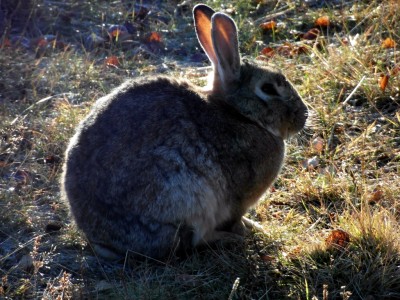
column 160, row 164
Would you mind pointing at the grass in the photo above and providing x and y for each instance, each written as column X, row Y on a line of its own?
column 341, row 173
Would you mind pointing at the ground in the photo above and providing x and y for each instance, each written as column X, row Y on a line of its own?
column 332, row 217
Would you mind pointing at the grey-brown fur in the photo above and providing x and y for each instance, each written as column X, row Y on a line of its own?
column 159, row 164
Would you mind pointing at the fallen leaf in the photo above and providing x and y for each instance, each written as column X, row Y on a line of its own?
column 388, row 43
column 267, row 26
column 345, row 41
column 318, row 144
column 383, row 81
column 311, row 163
column 116, row 30
column 42, row 43
column 268, row 51
column 312, row 34
column 119, row 33
column 154, row 37
column 112, row 61
column 267, row 258
column 337, row 239
column 376, row 195
column 322, row 21
column 154, row 43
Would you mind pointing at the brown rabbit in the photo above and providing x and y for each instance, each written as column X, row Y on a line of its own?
column 160, row 163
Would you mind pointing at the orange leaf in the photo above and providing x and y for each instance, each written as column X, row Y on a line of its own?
column 116, row 32
column 345, row 41
column 312, row 34
column 322, row 21
column 154, row 43
column 376, row 195
column 268, row 51
column 112, row 61
column 267, row 258
column 388, row 43
column 337, row 239
column 271, row 25
column 42, row 43
column 154, row 37
column 383, row 81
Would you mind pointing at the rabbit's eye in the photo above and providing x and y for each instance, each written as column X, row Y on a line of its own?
column 269, row 89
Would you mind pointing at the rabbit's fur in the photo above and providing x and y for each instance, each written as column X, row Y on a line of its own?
column 160, row 163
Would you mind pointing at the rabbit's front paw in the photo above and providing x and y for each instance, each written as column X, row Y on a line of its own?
column 251, row 225
column 105, row 252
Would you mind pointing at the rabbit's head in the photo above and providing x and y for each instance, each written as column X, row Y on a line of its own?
column 260, row 93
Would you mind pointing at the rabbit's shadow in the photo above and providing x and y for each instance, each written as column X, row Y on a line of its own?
column 201, row 268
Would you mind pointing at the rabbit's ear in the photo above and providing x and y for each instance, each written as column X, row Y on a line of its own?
column 226, row 47
column 202, row 21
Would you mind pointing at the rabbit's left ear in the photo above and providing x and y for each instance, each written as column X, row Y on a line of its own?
column 226, row 47
column 202, row 21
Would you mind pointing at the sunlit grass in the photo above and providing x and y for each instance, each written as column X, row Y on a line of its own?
column 342, row 172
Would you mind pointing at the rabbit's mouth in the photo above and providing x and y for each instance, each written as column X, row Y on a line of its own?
column 299, row 119
column 296, row 124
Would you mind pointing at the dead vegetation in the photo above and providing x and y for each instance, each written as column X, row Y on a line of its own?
column 332, row 217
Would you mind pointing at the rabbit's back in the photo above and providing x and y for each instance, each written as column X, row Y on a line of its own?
column 155, row 160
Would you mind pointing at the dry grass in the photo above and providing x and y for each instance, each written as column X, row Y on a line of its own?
column 341, row 173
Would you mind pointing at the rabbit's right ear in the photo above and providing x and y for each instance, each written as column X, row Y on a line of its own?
column 226, row 46
column 202, row 15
